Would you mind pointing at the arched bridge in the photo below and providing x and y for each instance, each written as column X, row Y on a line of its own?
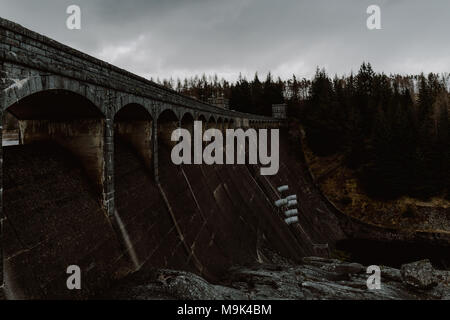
column 56, row 91
column 87, row 108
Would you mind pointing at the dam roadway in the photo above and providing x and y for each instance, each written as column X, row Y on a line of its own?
column 92, row 183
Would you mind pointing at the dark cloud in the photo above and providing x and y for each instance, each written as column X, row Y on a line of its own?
column 182, row 38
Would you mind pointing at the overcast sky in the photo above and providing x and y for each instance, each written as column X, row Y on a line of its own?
column 179, row 38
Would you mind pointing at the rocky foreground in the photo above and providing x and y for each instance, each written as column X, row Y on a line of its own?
column 316, row 278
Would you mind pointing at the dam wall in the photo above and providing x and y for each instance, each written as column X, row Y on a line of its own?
column 199, row 218
column 91, row 182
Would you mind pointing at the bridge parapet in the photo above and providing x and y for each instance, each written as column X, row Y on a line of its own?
column 60, row 94
column 27, row 55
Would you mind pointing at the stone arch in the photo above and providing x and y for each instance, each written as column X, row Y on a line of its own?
column 187, row 121
column 64, row 135
column 133, row 111
column 36, row 84
column 133, row 174
column 220, row 123
column 78, row 127
column 167, row 122
column 213, row 117
column 188, row 114
column 133, row 127
column 211, row 123
column 165, row 109
column 202, row 117
column 167, row 114
column 46, row 104
column 128, row 100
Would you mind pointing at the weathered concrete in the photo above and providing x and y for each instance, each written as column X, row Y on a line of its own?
column 93, row 183
column 84, row 138
column 89, row 108
column 138, row 134
column 54, row 219
column 133, row 124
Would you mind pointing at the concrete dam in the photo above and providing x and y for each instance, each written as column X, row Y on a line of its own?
column 91, row 182
column 198, row 218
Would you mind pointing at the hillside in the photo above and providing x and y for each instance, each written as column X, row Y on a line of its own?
column 341, row 186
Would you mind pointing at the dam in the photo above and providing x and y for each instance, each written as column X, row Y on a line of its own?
column 91, row 181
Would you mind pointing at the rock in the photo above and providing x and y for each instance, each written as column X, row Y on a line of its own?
column 419, row 274
column 319, row 260
column 442, row 290
column 316, row 278
column 175, row 285
column 443, row 276
column 348, row 268
column 335, row 266
column 390, row 274
column 193, row 287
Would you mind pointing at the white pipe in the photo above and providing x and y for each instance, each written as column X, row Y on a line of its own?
column 283, row 188
column 291, row 220
column 281, row 202
column 292, row 197
column 292, row 203
column 291, row 212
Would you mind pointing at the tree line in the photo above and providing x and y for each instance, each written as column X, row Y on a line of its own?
column 251, row 96
column 393, row 130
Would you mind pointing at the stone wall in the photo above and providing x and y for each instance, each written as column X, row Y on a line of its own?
column 63, row 210
column 26, row 50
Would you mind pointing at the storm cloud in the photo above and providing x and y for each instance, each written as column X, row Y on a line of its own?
column 174, row 38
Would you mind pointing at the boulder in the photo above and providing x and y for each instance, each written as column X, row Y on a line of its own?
column 391, row 274
column 315, row 279
column 349, row 268
column 420, row 274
